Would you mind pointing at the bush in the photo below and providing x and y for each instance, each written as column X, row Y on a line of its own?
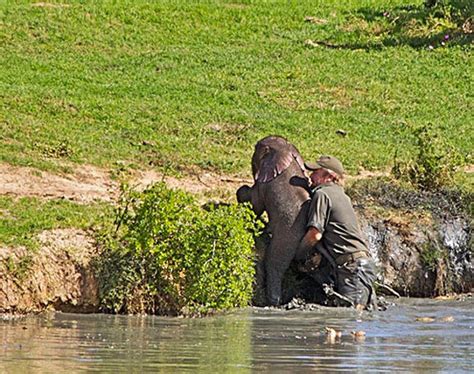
column 434, row 164
column 166, row 255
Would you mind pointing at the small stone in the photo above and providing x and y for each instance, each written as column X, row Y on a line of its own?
column 149, row 143
column 311, row 43
column 331, row 333
column 358, row 336
column 315, row 20
column 215, row 127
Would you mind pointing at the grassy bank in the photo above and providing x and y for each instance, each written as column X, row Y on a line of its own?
column 172, row 85
column 197, row 83
column 21, row 220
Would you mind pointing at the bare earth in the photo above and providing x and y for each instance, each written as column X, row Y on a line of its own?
column 89, row 183
column 60, row 273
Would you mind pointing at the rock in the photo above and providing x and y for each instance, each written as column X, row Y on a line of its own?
column 330, row 332
column 359, row 336
column 420, row 257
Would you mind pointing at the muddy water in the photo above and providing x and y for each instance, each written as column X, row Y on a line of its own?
column 442, row 339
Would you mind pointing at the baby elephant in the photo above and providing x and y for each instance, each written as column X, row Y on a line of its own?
column 281, row 189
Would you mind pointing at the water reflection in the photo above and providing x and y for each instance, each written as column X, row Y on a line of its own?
column 245, row 341
column 60, row 342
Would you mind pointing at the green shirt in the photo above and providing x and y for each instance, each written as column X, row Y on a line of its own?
column 331, row 212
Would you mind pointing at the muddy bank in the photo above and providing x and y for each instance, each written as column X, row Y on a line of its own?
column 416, row 255
column 422, row 260
column 422, row 248
column 58, row 275
column 422, row 241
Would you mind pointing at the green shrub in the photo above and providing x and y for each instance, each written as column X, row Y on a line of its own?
column 434, row 164
column 430, row 256
column 167, row 255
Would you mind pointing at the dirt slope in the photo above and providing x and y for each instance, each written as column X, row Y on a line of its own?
column 88, row 183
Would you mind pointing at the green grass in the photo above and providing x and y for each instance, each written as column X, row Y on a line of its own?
column 22, row 219
column 103, row 77
column 187, row 83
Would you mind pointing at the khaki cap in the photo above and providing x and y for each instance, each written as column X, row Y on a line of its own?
column 326, row 162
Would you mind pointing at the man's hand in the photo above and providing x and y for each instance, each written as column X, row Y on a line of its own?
column 309, row 241
column 311, row 264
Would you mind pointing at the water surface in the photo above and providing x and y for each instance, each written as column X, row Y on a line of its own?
column 252, row 339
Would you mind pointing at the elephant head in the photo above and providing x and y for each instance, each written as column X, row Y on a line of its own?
column 272, row 156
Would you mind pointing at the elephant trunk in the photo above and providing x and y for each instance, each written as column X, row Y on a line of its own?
column 244, row 194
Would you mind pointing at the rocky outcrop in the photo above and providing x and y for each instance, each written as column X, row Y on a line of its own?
column 421, row 257
column 421, row 240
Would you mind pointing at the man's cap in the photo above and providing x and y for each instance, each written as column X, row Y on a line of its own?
column 326, row 162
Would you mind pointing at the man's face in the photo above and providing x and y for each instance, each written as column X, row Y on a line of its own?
column 318, row 177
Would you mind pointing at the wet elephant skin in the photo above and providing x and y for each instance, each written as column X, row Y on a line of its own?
column 280, row 188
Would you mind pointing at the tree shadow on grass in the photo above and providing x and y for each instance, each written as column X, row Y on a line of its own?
column 449, row 23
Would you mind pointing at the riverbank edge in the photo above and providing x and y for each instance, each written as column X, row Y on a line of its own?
column 419, row 254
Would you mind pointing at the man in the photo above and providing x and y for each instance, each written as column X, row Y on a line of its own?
column 333, row 232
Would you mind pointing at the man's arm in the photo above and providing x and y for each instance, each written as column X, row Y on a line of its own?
column 318, row 211
column 309, row 241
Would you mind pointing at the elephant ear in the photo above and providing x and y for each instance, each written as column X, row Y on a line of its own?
column 297, row 156
column 275, row 155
